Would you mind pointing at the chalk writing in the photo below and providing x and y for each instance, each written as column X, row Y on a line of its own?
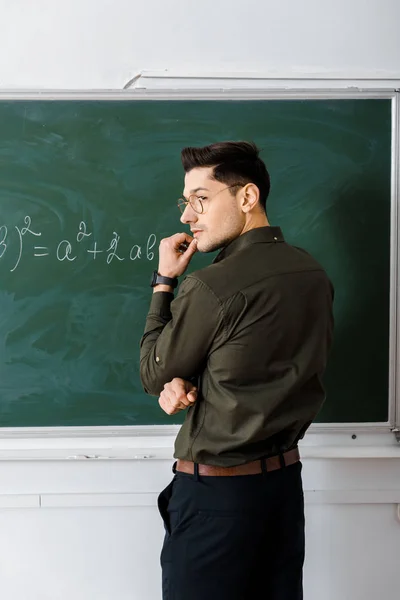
column 3, row 245
column 82, row 232
column 21, row 233
column 64, row 249
column 67, row 250
column 94, row 251
column 113, row 248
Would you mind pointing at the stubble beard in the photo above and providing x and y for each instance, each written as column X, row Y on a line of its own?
column 213, row 245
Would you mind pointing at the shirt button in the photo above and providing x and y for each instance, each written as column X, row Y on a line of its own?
column 157, row 359
column 275, row 239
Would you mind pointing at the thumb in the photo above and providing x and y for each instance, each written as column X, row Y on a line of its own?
column 192, row 396
column 192, row 248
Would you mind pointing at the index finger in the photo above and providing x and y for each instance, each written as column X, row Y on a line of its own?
column 182, row 238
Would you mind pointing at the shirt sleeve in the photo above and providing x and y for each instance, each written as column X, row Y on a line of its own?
column 178, row 334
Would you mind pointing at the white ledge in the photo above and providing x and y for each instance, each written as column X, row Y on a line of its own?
column 149, row 499
column 157, row 443
column 166, row 453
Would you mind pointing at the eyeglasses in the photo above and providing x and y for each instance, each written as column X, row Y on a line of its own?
column 196, row 202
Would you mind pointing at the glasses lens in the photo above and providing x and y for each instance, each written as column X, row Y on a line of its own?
column 182, row 205
column 196, row 204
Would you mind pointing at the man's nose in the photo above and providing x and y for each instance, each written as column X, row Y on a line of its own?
column 188, row 215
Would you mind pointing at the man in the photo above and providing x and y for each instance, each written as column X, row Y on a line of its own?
column 242, row 349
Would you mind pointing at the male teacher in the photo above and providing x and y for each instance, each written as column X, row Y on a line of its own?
column 242, row 349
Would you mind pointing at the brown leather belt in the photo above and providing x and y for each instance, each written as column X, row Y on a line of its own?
column 272, row 463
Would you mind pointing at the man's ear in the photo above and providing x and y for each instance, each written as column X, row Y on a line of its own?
column 250, row 196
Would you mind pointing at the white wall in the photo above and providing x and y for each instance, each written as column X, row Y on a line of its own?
column 82, row 529
column 104, row 43
column 89, row 529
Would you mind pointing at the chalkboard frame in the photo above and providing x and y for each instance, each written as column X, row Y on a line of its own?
column 321, row 93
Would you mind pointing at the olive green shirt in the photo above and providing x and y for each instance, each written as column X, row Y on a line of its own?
column 253, row 330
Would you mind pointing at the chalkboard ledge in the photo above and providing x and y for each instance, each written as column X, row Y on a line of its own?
column 149, row 499
column 315, row 446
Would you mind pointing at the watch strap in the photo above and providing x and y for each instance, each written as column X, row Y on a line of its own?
column 158, row 279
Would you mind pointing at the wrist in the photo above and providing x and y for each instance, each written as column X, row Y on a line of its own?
column 157, row 279
column 166, row 273
column 163, row 288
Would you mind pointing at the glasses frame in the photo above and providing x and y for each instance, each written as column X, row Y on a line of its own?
column 182, row 202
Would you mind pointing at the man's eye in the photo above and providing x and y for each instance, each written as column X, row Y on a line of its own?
column 201, row 198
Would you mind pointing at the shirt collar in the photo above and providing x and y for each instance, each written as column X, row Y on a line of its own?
column 259, row 235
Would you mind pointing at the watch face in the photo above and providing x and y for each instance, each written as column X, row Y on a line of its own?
column 156, row 278
column 153, row 278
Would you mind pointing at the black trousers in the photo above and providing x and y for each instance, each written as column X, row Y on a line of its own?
column 236, row 538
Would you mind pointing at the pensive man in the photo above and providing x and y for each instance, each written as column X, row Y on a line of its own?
column 242, row 349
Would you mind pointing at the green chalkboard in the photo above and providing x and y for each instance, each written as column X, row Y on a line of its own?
column 87, row 190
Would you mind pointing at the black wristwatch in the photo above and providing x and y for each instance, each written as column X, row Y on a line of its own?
column 157, row 279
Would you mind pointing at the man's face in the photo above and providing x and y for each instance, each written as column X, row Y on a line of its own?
column 222, row 220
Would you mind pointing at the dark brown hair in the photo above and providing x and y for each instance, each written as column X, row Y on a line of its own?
column 233, row 162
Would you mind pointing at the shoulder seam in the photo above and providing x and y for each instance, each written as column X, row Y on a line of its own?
column 203, row 284
column 219, row 301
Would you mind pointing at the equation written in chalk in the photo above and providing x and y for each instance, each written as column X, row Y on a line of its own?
column 21, row 240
